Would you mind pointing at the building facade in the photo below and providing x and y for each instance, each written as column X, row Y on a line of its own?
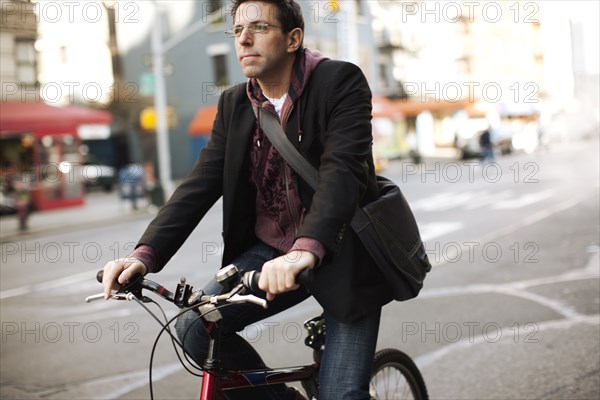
column 464, row 66
column 18, row 56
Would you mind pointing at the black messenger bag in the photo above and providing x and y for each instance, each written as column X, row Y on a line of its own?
column 388, row 230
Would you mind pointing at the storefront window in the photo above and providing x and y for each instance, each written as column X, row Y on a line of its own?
column 16, row 164
column 50, row 174
column 48, row 167
column 16, row 156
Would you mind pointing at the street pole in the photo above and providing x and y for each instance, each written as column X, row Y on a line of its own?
column 160, row 91
column 160, row 107
column 347, row 32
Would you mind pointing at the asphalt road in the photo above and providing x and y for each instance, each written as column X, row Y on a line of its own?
column 510, row 309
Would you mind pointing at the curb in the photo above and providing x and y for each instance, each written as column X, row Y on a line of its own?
column 34, row 233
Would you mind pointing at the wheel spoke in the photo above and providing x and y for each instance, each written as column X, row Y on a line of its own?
column 395, row 376
column 390, row 383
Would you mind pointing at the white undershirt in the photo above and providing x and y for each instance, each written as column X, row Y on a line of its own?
column 278, row 103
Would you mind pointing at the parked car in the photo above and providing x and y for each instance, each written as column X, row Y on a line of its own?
column 469, row 146
column 467, row 136
column 7, row 204
column 99, row 176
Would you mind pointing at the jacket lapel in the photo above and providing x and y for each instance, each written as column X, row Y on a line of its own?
column 235, row 176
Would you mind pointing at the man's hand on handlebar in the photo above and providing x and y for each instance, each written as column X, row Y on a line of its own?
column 279, row 275
column 119, row 272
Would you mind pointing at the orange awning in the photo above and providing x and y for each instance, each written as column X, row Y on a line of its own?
column 203, row 121
column 412, row 108
column 384, row 108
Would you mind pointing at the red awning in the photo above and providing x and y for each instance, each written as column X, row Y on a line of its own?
column 42, row 118
column 203, row 121
column 384, row 108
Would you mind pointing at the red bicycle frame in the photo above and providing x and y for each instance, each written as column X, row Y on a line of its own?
column 215, row 381
column 213, row 384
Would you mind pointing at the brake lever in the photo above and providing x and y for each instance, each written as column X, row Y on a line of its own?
column 94, row 297
column 113, row 296
column 133, row 286
column 248, row 298
column 240, row 295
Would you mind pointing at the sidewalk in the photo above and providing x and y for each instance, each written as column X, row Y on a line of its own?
column 100, row 209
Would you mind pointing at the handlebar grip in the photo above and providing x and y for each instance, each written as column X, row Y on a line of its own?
column 306, row 277
column 127, row 285
column 250, row 279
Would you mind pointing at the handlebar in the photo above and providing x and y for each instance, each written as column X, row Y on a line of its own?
column 135, row 286
column 185, row 296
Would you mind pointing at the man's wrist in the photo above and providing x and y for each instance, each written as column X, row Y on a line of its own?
column 310, row 245
column 146, row 255
column 304, row 258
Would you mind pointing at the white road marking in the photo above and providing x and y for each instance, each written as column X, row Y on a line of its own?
column 432, row 230
column 487, row 199
column 445, row 201
column 112, row 387
column 524, row 200
column 526, row 221
column 571, row 316
column 502, row 200
column 425, row 360
column 53, row 284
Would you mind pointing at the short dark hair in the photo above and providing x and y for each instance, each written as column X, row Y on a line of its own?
column 289, row 13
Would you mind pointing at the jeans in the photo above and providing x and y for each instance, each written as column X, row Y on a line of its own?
column 349, row 347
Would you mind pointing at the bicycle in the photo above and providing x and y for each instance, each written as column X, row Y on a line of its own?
column 394, row 374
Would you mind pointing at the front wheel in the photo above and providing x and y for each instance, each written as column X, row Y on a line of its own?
column 395, row 376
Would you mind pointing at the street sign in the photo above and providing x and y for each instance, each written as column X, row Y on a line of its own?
column 147, row 84
column 148, row 119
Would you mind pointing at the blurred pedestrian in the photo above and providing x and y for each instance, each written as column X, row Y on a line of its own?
column 20, row 192
column 487, row 146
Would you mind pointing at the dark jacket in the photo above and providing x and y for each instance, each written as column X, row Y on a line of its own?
column 335, row 119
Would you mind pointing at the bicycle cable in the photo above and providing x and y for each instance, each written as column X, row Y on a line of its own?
column 165, row 328
column 199, row 317
column 175, row 341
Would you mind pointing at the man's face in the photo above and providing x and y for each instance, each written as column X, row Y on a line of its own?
column 261, row 55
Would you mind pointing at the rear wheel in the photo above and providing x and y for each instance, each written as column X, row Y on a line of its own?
column 395, row 376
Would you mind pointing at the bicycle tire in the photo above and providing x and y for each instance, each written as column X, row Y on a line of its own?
column 396, row 377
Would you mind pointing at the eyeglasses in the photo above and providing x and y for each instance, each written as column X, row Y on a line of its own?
column 256, row 27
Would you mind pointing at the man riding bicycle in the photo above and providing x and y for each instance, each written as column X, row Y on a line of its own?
column 273, row 220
